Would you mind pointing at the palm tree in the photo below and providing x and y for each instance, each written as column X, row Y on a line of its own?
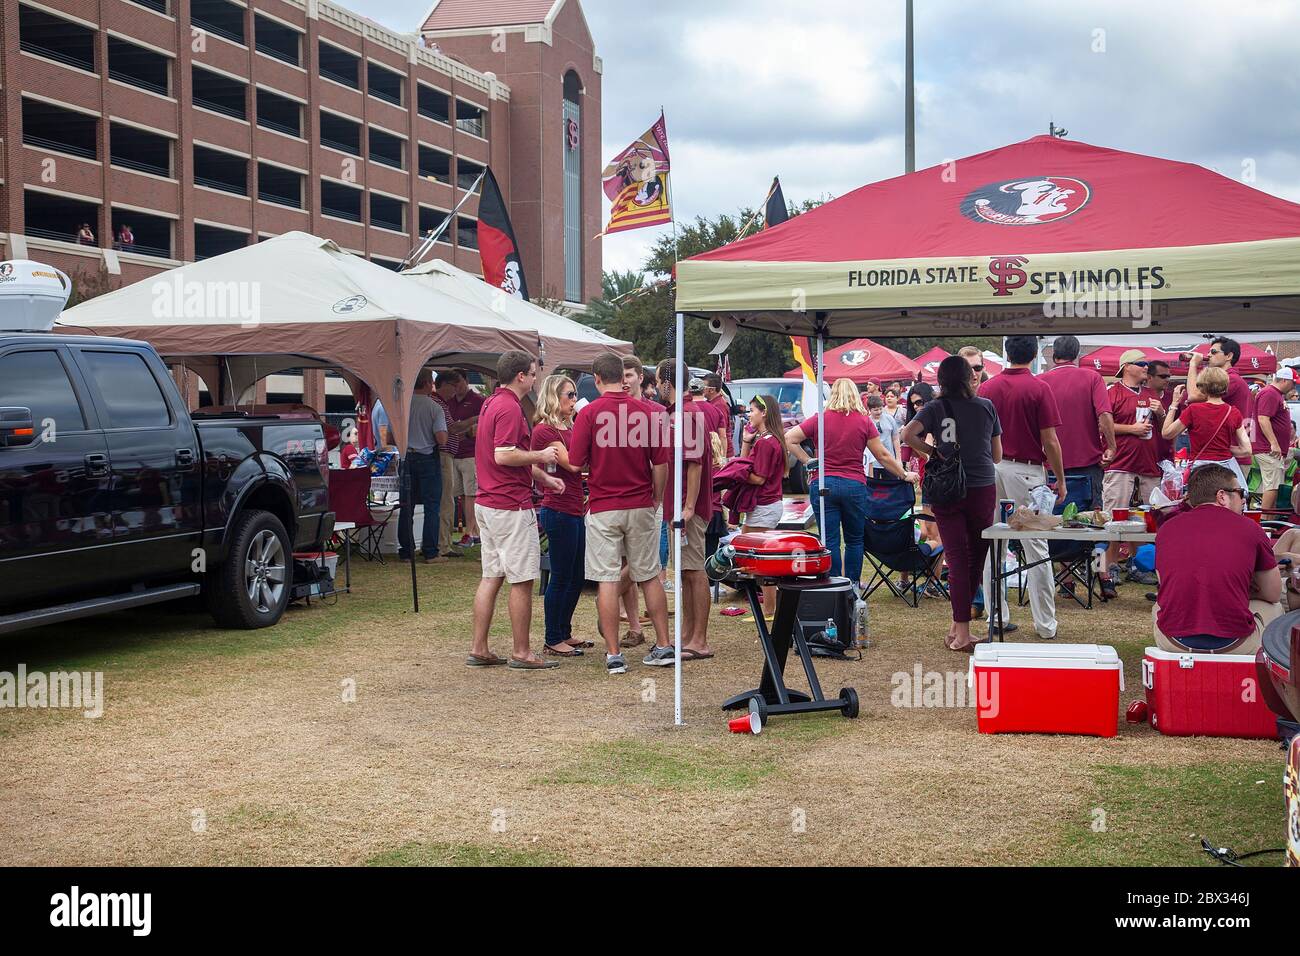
column 615, row 287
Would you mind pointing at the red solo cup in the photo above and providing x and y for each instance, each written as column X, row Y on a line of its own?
column 1121, row 514
column 1137, row 712
column 1149, row 517
column 1255, row 516
column 749, row 724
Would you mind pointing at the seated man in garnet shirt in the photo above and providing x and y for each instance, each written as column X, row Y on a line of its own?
column 1219, row 584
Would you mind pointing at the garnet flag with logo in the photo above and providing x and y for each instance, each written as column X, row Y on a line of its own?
column 636, row 182
column 502, row 267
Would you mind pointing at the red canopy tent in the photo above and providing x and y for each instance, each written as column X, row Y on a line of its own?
column 1018, row 230
column 929, row 363
column 866, row 361
column 1254, row 360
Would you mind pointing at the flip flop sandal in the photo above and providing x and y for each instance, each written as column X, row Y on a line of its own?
column 490, row 661
column 732, row 612
column 632, row 639
column 556, row 652
column 689, row 655
column 532, row 665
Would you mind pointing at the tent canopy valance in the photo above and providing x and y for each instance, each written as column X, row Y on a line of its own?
column 999, row 242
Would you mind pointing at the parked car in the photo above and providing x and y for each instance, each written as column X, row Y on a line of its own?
column 113, row 496
column 798, row 400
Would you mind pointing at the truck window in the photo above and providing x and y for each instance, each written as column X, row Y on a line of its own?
column 132, row 398
column 38, row 380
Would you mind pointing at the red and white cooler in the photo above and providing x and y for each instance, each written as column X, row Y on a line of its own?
column 1047, row 689
column 1206, row 695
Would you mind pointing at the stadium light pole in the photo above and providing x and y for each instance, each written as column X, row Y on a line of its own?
column 909, row 109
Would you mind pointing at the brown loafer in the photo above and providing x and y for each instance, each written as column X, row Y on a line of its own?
column 632, row 639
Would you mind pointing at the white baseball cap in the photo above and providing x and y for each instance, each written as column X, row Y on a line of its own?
column 1286, row 373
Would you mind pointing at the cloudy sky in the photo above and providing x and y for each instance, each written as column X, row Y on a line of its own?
column 813, row 90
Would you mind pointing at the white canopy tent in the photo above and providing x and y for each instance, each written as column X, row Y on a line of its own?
column 564, row 342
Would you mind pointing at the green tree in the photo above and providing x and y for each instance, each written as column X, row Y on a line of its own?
column 615, row 287
column 88, row 284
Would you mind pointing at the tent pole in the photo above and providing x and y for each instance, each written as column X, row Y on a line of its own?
column 821, row 428
column 677, row 524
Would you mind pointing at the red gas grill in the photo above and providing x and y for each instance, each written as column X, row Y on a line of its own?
column 1278, row 666
column 795, row 562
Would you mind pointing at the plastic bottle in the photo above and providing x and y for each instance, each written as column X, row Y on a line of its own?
column 832, row 632
column 862, row 624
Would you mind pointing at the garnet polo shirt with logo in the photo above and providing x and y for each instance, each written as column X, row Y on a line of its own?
column 1081, row 399
column 502, row 425
column 1270, row 404
column 1025, row 406
column 621, row 441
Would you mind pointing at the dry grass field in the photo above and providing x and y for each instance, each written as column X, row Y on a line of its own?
column 224, row 748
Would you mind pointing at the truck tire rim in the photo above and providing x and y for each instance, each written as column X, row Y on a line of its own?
column 264, row 572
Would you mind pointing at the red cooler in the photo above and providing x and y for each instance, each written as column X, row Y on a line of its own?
column 1206, row 695
column 1047, row 689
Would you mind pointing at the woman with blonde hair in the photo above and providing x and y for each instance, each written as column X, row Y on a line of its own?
column 1216, row 429
column 849, row 434
column 561, row 517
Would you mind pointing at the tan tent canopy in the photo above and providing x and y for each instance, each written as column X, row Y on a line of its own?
column 299, row 301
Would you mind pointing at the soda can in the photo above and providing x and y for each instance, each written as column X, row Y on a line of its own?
column 1006, row 508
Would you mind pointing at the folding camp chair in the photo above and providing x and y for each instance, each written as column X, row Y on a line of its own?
column 1074, row 557
column 891, row 545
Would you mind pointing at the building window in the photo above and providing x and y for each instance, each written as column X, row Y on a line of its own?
column 54, row 128
column 214, row 169
column 387, row 213
column 339, row 133
column 435, row 164
column 210, row 241
column 466, row 232
column 384, row 84
column 340, row 201
column 219, row 93
column 145, row 235
column 138, row 67
column 467, row 175
column 59, row 217
column 572, row 145
column 434, row 104
column 131, row 148
column 277, row 40
column 431, row 220
column 220, row 18
column 469, row 118
column 338, row 65
column 279, row 113
column 387, row 149
column 54, row 38
column 280, row 186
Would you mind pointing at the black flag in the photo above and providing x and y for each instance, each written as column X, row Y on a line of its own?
column 502, row 266
column 775, row 213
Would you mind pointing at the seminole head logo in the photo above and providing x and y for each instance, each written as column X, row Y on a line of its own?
column 856, row 357
column 1027, row 202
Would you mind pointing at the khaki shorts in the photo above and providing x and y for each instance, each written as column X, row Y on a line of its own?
column 1117, row 488
column 693, row 544
column 766, row 517
column 1264, row 614
column 465, row 478
column 1271, row 471
column 611, row 535
column 511, row 547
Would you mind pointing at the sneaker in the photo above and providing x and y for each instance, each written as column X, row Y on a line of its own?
column 615, row 664
column 1108, row 592
column 661, row 657
column 668, row 585
column 464, row 542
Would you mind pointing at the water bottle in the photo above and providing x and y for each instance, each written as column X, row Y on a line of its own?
column 832, row 632
column 861, row 624
column 551, row 468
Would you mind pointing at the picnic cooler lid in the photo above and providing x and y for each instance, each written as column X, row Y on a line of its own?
column 1054, row 656
column 1192, row 658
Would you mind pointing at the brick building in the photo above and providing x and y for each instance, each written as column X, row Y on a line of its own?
column 204, row 125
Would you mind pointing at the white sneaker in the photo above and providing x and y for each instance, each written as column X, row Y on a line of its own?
column 615, row 664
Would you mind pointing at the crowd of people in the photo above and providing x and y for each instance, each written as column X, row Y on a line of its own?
column 596, row 477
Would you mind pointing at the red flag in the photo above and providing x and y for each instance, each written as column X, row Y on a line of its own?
column 502, row 266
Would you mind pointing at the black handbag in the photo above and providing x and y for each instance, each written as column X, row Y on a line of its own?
column 945, row 477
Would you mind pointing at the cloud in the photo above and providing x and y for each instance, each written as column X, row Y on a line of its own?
column 814, row 91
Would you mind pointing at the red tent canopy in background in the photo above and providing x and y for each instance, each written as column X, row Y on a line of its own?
column 866, row 361
column 929, row 363
column 1254, row 361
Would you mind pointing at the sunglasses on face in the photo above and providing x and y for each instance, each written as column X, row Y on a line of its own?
column 1158, row 375
column 570, row 394
column 1216, row 351
column 1234, row 491
column 977, row 368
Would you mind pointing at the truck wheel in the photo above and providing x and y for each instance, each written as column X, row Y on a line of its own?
column 251, row 588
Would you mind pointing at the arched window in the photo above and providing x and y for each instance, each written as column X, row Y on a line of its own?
column 572, row 145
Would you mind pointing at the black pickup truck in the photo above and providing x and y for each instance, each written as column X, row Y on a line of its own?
column 113, row 496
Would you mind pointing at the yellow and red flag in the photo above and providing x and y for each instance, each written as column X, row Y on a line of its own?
column 804, row 357
column 636, row 182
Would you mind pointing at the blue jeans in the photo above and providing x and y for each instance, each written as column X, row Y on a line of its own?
column 566, row 537
column 421, row 483
column 846, row 513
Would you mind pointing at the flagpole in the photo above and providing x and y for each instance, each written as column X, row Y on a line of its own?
column 414, row 258
column 678, row 598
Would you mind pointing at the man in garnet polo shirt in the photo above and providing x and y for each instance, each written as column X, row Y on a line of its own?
column 504, row 506
column 715, row 396
column 1219, row 583
column 1139, row 417
column 697, row 505
column 619, row 440
column 1225, row 353
column 1027, row 410
column 465, row 408
column 1087, row 431
column 1272, row 440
